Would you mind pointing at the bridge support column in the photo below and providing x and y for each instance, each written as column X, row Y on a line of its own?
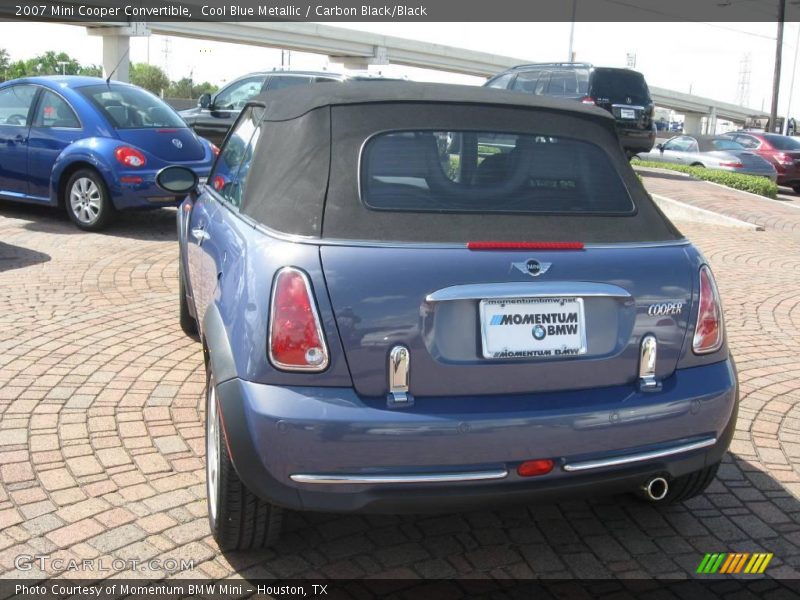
column 711, row 121
column 693, row 124
column 116, row 48
column 380, row 56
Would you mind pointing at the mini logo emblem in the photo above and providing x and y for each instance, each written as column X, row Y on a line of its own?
column 532, row 267
column 665, row 309
column 628, row 100
column 539, row 332
column 177, row 143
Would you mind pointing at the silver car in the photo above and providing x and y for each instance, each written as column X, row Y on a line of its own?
column 710, row 151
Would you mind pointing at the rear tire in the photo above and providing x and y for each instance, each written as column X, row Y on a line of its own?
column 188, row 322
column 688, row 486
column 87, row 200
column 796, row 189
column 239, row 519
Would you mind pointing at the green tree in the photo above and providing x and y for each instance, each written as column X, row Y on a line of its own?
column 5, row 63
column 184, row 88
column 203, row 88
column 149, row 77
column 181, row 88
column 49, row 63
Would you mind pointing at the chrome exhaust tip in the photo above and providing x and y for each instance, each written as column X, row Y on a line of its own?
column 656, row 489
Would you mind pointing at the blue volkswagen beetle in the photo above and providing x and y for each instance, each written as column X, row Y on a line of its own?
column 418, row 297
column 91, row 146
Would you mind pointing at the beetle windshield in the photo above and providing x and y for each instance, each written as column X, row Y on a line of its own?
column 129, row 107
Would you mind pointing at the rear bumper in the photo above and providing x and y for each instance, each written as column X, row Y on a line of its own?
column 789, row 176
column 137, row 189
column 637, row 140
column 771, row 175
column 431, row 457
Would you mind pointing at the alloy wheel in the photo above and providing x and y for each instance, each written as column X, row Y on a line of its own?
column 212, row 449
column 86, row 200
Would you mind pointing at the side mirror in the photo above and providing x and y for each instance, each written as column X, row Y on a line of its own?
column 660, row 147
column 204, row 101
column 177, row 180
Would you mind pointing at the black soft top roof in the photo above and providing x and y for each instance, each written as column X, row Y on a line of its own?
column 304, row 173
column 290, row 103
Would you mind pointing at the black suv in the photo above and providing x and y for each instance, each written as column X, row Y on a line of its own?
column 622, row 92
column 215, row 115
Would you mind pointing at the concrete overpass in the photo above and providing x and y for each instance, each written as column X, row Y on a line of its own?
column 359, row 49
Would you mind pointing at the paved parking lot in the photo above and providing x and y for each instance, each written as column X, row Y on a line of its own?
column 101, row 436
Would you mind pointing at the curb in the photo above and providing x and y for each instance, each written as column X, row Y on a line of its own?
column 680, row 211
column 657, row 171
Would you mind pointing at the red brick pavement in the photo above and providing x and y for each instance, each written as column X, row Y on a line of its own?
column 771, row 214
column 101, row 413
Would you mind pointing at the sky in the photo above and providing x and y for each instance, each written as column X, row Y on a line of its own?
column 702, row 58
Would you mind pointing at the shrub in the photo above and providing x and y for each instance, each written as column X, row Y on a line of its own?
column 748, row 183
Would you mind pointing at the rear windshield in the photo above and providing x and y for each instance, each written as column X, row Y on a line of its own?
column 489, row 172
column 782, row 142
column 130, row 107
column 617, row 85
column 568, row 83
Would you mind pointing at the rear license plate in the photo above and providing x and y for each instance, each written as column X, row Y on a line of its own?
column 627, row 113
column 532, row 327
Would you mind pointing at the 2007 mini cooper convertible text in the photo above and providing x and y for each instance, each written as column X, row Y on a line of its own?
column 419, row 297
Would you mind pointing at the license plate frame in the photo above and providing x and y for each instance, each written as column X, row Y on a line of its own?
column 514, row 346
column 627, row 113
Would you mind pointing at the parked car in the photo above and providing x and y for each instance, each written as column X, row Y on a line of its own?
column 391, row 324
column 714, row 152
column 91, row 146
column 214, row 115
column 780, row 150
column 622, row 92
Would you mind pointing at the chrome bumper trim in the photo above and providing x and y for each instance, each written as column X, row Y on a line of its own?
column 421, row 478
column 527, row 289
column 633, row 458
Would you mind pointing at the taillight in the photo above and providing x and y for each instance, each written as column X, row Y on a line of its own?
column 214, row 149
column 733, row 165
column 130, row 157
column 296, row 341
column 587, row 100
column 218, row 182
column 784, row 159
column 708, row 332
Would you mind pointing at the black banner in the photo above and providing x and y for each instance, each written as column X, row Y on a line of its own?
column 138, row 11
column 405, row 589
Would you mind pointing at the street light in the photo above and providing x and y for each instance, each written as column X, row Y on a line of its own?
column 791, row 84
column 63, row 64
column 572, row 30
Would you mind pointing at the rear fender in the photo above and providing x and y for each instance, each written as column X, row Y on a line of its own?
column 93, row 152
column 183, row 217
column 217, row 344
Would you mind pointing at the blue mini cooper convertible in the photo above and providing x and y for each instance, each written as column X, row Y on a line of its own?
column 92, row 146
column 419, row 297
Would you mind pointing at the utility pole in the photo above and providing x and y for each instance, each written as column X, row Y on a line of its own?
column 570, row 57
column 776, row 79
